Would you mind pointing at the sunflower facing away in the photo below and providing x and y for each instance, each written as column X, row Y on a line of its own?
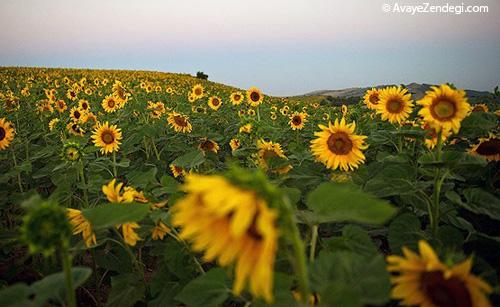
column 7, row 133
column 268, row 151
column 371, row 98
column 338, row 146
column 395, row 104
column 233, row 225
column 423, row 280
column 297, row 120
column 254, row 96
column 214, row 103
column 209, row 146
column 488, row 148
column 236, row 98
column 444, row 107
column 107, row 137
column 179, row 122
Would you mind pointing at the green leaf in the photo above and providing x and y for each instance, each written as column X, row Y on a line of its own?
column 293, row 194
column 210, row 289
column 126, row 290
column 481, row 202
column 190, row 160
column 354, row 239
column 346, row 202
column 54, row 286
column 16, row 295
column 109, row 215
column 405, row 230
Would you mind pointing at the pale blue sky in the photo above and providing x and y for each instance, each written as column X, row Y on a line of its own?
column 285, row 47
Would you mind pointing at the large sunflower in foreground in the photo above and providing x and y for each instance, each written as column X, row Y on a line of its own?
column 444, row 107
column 423, row 280
column 395, row 104
column 371, row 98
column 488, row 148
column 214, row 103
column 271, row 151
column 179, row 122
column 254, row 96
column 338, row 146
column 7, row 133
column 107, row 137
column 233, row 225
column 297, row 120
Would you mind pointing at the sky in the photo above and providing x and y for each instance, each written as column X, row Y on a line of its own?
column 285, row 47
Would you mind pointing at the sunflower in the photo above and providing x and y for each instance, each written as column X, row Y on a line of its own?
column 119, row 92
column 480, row 107
column 75, row 129
column 76, row 114
column 251, row 112
column 338, row 146
column 247, row 128
column 61, row 106
column 214, row 103
column 198, row 91
column 159, row 231
column 233, row 225
column 107, row 137
column 129, row 235
column 209, row 146
column 115, row 194
column 297, row 120
column 236, row 98
column 372, row 98
column 344, row 110
column 81, row 225
column 191, row 98
column 488, row 148
column 235, row 144
column 270, row 150
column 444, row 108
column 84, row 105
column 284, row 111
column 177, row 171
column 274, row 116
column 254, row 96
column 157, row 109
column 423, row 280
column 179, row 122
column 326, row 117
column 241, row 113
column 52, row 124
column 72, row 152
column 71, row 94
column 110, row 104
column 431, row 137
column 395, row 104
column 7, row 133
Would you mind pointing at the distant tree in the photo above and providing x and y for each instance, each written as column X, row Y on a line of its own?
column 201, row 75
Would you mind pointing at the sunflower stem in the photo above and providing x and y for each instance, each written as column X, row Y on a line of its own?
column 258, row 113
column 314, row 241
column 85, row 191
column 66, row 260
column 195, row 260
column 298, row 247
column 438, row 182
column 115, row 173
column 14, row 159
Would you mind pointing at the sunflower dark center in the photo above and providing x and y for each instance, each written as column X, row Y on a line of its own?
column 215, row 102
column 486, row 148
column 237, row 97
column 339, row 143
column 207, row 145
column 197, row 91
column 269, row 154
column 77, row 114
column 395, row 105
column 85, row 106
column 180, row 121
column 443, row 292
column 374, row 98
column 111, row 103
column 108, row 137
column 297, row 120
column 443, row 109
column 3, row 133
column 254, row 96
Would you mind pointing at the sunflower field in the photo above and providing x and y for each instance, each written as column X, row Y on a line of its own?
column 135, row 188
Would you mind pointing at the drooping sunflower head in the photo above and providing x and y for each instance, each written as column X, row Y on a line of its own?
column 198, row 91
column 179, row 122
column 209, row 146
column 235, row 144
column 254, row 96
column 75, row 129
column 344, row 110
column 480, row 107
column 234, row 225
column 371, row 98
column 214, row 103
column 488, row 148
column 81, row 225
column 270, row 157
column 53, row 123
column 423, row 280
column 297, row 120
column 337, row 146
column 395, row 104
column 177, row 171
column 7, row 133
column 247, row 128
column 444, row 108
column 107, row 137
column 236, row 98
column 72, row 152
